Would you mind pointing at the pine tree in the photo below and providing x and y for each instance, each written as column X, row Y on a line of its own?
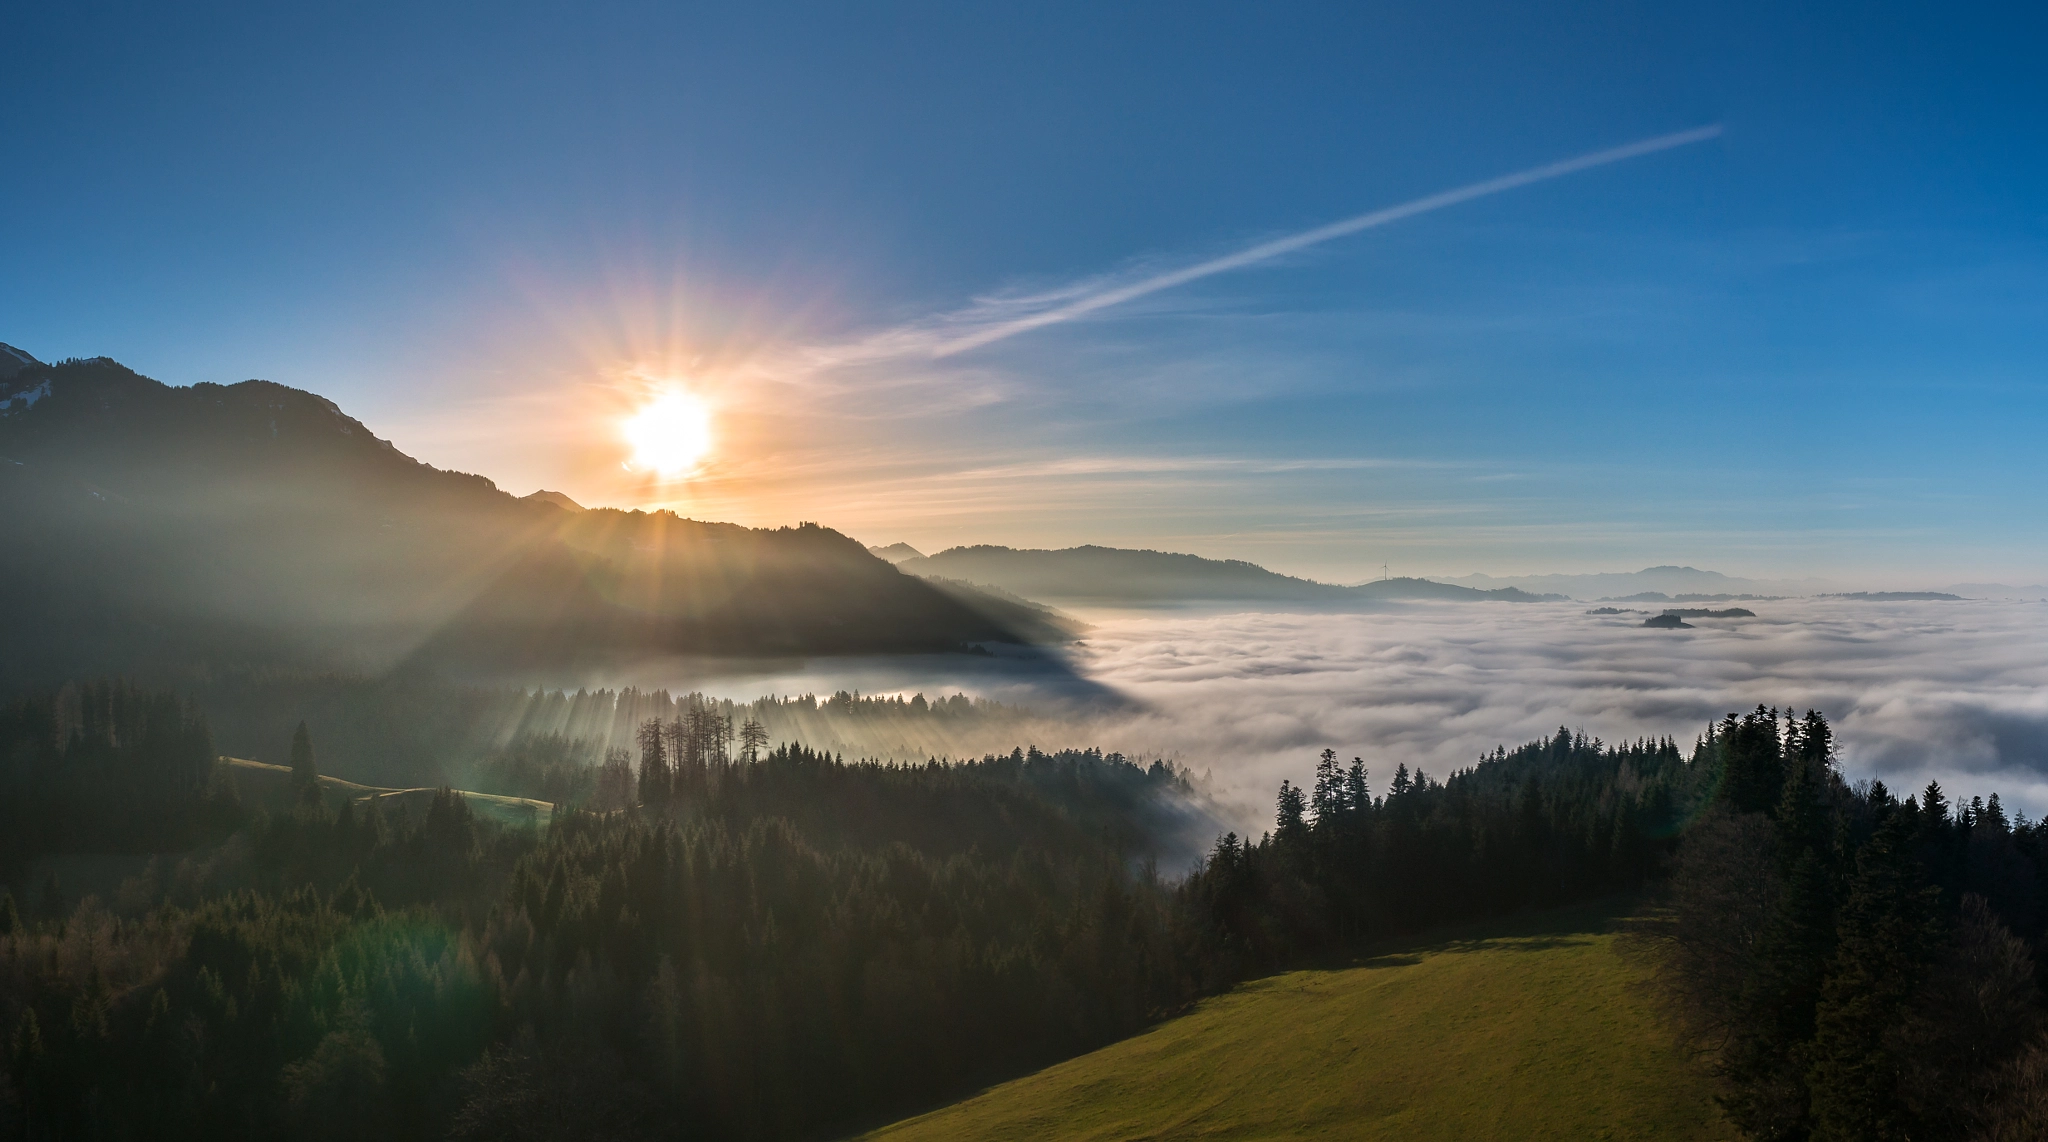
column 1290, row 822
column 1779, row 1006
column 1752, row 761
column 615, row 786
column 656, row 783
column 753, row 739
column 1933, row 806
column 1887, row 935
column 1802, row 816
column 26, row 1057
column 1357, row 790
column 1817, row 740
column 303, row 771
column 1328, row 796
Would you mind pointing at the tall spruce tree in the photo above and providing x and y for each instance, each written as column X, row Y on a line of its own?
column 1780, row 1001
column 1290, row 819
column 1327, row 798
column 304, row 772
column 656, row 776
column 1752, row 762
column 1887, row 935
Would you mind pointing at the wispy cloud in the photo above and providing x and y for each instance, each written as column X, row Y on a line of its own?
column 1066, row 307
column 990, row 320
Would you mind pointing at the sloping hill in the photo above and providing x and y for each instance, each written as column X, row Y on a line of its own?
column 277, row 529
column 1113, row 576
column 1520, row 1031
column 261, row 783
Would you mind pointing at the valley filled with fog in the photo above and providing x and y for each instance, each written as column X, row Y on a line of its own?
column 1949, row 691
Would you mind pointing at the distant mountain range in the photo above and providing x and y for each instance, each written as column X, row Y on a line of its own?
column 1667, row 581
column 1690, row 584
column 252, row 525
column 1996, row 591
column 1119, row 577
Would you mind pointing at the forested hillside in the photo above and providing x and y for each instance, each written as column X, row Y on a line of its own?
column 741, row 939
column 412, row 731
column 1860, row 966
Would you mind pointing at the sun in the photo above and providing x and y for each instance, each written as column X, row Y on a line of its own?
column 669, row 435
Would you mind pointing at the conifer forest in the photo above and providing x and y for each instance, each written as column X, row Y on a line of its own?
column 716, row 936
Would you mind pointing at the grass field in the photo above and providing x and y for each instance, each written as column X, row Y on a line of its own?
column 260, row 782
column 1534, row 1029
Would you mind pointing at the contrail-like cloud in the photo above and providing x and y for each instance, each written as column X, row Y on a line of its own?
column 1320, row 234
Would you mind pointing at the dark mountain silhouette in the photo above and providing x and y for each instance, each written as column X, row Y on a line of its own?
column 258, row 524
column 1110, row 576
column 13, row 361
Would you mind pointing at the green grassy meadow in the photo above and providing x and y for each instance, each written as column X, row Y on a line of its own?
column 260, row 782
column 1529, row 1029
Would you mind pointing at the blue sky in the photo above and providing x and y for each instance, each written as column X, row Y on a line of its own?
column 1813, row 345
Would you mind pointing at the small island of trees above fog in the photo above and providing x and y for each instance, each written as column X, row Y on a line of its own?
column 720, row 937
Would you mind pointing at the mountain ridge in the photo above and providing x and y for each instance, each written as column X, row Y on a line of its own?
column 13, row 360
column 277, row 529
column 1116, row 576
column 1667, row 579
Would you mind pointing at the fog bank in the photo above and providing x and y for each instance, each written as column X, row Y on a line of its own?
column 1954, row 691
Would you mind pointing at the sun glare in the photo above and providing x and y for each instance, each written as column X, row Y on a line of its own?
column 670, row 435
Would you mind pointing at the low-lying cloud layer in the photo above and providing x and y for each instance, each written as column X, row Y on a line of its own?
column 1955, row 691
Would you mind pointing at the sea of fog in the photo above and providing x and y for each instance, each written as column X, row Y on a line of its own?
column 1949, row 691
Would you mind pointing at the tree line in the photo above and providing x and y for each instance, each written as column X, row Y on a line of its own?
column 1856, row 966
column 780, row 944
column 408, row 730
column 1550, row 822
column 105, row 766
column 731, row 941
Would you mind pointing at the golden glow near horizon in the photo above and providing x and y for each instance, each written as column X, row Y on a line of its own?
column 669, row 435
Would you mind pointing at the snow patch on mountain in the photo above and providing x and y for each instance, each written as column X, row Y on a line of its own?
column 25, row 399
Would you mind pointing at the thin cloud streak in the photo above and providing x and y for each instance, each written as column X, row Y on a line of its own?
column 1278, row 246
